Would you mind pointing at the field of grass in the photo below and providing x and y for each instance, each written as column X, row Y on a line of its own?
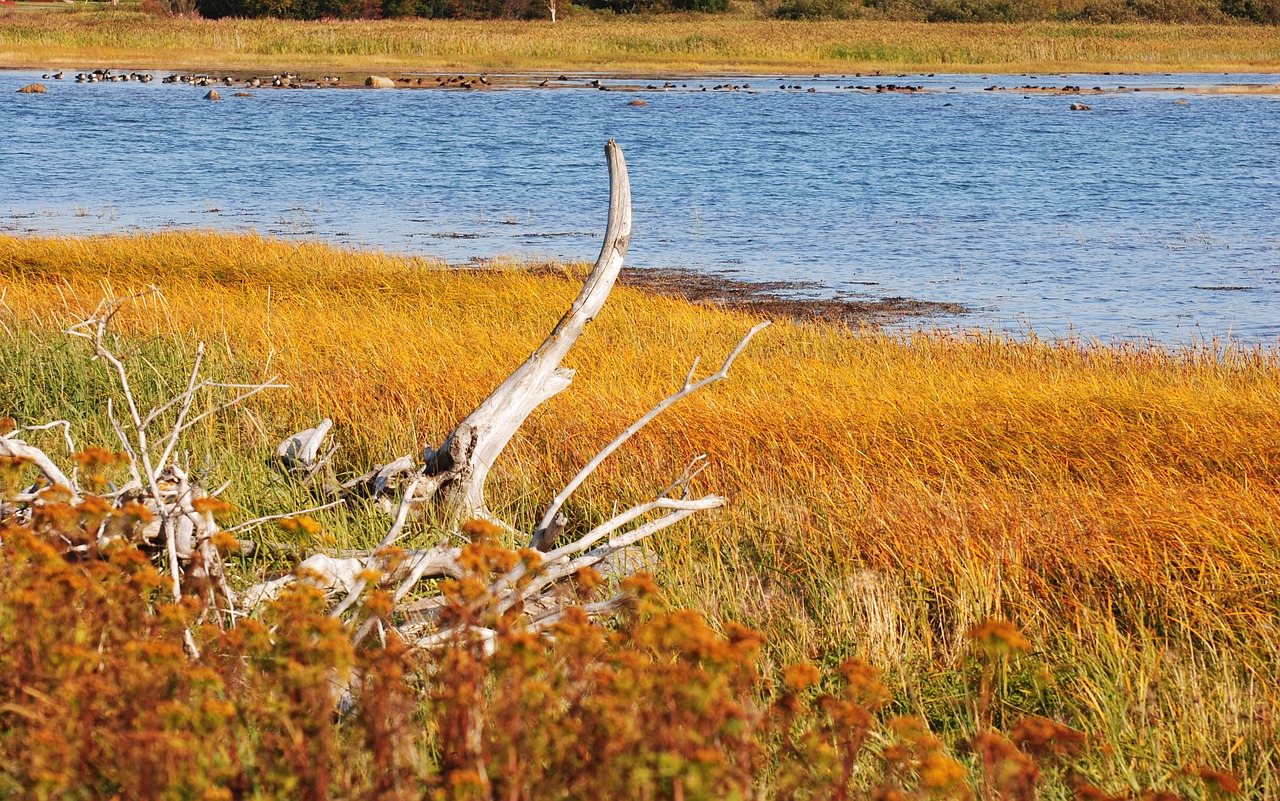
column 1120, row 504
column 633, row 44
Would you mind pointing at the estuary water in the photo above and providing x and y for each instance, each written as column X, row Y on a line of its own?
column 1155, row 215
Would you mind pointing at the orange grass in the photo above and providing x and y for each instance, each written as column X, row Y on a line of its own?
column 1121, row 504
column 657, row 45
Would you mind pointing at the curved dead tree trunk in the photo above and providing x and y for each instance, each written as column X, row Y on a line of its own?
column 467, row 455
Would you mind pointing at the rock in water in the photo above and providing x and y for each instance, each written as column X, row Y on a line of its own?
column 32, row 89
column 637, row 103
column 243, row 94
column 379, row 82
column 1080, row 107
column 213, row 95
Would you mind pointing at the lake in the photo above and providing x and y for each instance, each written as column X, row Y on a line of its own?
column 1143, row 218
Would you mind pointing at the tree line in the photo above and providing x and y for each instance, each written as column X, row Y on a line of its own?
column 442, row 9
column 1191, row 11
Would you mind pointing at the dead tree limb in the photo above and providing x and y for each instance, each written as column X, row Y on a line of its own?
column 13, row 447
column 453, row 479
column 542, row 539
column 469, row 452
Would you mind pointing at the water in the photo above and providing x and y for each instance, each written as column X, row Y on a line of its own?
column 1143, row 218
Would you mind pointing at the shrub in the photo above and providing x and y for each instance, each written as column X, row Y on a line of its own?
column 97, row 697
column 1265, row 11
column 814, row 9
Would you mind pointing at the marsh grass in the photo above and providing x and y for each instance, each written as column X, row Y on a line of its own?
column 640, row 44
column 886, row 493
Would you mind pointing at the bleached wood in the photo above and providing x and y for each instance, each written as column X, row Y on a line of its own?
column 469, row 452
column 13, row 447
column 540, row 539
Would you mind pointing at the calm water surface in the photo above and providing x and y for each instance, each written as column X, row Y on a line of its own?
column 1142, row 218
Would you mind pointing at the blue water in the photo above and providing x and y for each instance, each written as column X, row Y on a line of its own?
column 1143, row 218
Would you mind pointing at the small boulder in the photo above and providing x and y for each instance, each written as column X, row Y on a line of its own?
column 637, row 103
column 243, row 94
column 213, row 95
column 1080, row 107
column 379, row 82
column 32, row 89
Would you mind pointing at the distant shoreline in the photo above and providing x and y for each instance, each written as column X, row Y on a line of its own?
column 240, row 82
column 640, row 47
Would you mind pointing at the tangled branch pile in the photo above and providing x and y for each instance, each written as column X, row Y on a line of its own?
column 448, row 486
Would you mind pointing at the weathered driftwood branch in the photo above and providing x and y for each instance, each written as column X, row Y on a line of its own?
column 15, row 448
column 469, row 452
column 542, row 538
column 453, row 479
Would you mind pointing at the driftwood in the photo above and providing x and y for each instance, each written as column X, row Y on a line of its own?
column 448, row 483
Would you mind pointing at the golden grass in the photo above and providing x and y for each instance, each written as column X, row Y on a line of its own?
column 1120, row 503
column 663, row 44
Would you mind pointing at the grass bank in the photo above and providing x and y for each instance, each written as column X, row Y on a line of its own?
column 1120, row 504
column 630, row 44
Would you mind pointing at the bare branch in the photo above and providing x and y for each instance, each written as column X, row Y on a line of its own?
column 254, row 390
column 13, row 447
column 686, row 477
column 598, row 609
column 469, row 452
column 540, row 539
column 301, row 449
column 558, row 565
column 434, row 562
column 257, row 521
column 66, row 432
column 401, row 517
column 187, row 397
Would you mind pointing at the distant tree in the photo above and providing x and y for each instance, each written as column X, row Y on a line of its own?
column 1266, row 11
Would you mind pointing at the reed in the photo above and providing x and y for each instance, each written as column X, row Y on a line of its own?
column 665, row 44
column 886, row 493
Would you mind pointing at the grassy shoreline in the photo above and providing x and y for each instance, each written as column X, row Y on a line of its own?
column 640, row 46
column 1120, row 504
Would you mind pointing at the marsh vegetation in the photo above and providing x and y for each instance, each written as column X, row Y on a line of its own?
column 738, row 43
column 886, row 494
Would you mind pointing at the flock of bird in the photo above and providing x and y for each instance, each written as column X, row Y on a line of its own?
column 292, row 81
column 110, row 76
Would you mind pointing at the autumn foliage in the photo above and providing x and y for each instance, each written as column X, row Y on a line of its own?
column 98, row 698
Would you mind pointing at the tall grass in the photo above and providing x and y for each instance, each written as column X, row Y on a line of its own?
column 668, row 43
column 1121, row 504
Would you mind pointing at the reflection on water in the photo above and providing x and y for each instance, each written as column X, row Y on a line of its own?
column 1143, row 217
